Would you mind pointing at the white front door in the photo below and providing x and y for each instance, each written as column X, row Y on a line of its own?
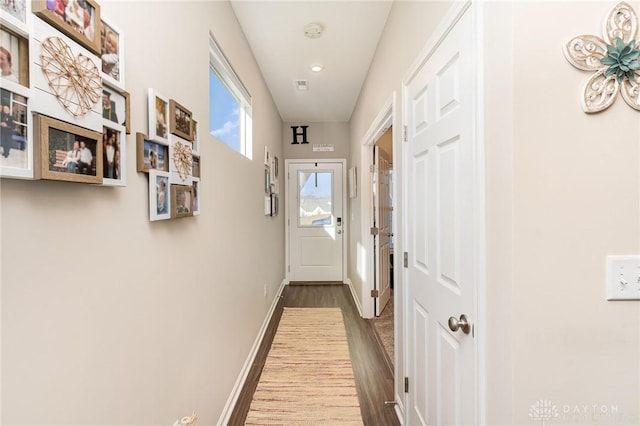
column 383, row 223
column 441, row 210
column 315, row 221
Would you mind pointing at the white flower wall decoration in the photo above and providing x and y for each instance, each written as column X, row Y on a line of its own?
column 614, row 59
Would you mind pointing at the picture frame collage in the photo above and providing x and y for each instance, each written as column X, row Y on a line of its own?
column 76, row 135
column 170, row 154
column 271, row 183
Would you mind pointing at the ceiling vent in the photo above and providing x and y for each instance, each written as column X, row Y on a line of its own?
column 302, row 84
column 313, row 30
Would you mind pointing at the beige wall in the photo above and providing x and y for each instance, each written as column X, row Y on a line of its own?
column 407, row 30
column 562, row 193
column 572, row 197
column 331, row 133
column 108, row 318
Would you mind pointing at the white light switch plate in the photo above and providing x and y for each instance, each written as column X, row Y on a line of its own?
column 623, row 277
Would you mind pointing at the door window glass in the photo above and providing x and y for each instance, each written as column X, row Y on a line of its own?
column 315, row 198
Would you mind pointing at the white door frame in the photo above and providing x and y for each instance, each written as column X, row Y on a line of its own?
column 345, row 222
column 448, row 22
column 380, row 125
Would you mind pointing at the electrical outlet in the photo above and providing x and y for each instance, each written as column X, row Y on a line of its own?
column 623, row 277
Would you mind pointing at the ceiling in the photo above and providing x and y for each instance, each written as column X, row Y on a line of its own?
column 275, row 31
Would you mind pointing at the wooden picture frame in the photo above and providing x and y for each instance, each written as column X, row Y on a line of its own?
column 80, row 23
column 180, row 120
column 158, row 117
column 195, row 183
column 114, row 155
column 116, row 107
column 159, row 195
column 16, row 133
column 14, row 51
column 181, row 201
column 151, row 155
column 112, row 54
column 62, row 151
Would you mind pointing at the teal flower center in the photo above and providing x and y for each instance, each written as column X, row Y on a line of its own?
column 622, row 60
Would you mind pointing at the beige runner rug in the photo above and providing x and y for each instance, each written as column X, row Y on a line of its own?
column 307, row 378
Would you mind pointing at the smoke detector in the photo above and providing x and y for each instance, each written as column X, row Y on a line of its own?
column 313, row 30
column 302, row 84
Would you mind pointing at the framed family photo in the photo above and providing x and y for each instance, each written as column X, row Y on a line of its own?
column 180, row 120
column 68, row 152
column 112, row 54
column 195, row 166
column 181, row 201
column 16, row 134
column 159, row 195
column 116, row 107
column 114, row 156
column 195, row 183
column 151, row 155
column 194, row 136
column 14, row 57
column 78, row 20
column 158, row 117
column 16, row 13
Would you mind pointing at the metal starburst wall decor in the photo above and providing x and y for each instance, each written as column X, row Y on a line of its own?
column 614, row 58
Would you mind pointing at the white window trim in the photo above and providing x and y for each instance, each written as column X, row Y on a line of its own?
column 223, row 69
column 226, row 72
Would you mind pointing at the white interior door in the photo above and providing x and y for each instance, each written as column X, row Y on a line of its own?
column 441, row 280
column 315, row 221
column 383, row 223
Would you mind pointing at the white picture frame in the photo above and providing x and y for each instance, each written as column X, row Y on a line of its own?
column 19, row 163
column 173, row 168
column 18, row 20
column 197, row 195
column 195, row 135
column 158, row 125
column 112, row 62
column 353, row 182
column 116, row 174
column 47, row 102
column 159, row 195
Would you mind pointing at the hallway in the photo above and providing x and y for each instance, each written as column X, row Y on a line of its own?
column 374, row 379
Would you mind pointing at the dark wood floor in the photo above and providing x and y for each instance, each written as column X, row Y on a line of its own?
column 374, row 378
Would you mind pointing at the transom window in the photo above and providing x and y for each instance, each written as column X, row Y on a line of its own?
column 229, row 103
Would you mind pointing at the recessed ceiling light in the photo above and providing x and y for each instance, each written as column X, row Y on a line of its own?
column 317, row 68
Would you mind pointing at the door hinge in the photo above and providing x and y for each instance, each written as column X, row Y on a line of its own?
column 406, row 259
column 374, row 230
column 406, row 385
column 374, row 293
column 405, row 133
column 289, row 268
column 372, row 168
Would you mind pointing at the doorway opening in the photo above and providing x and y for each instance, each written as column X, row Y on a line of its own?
column 383, row 241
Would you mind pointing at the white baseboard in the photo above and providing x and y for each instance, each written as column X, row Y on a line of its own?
column 353, row 296
column 244, row 372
